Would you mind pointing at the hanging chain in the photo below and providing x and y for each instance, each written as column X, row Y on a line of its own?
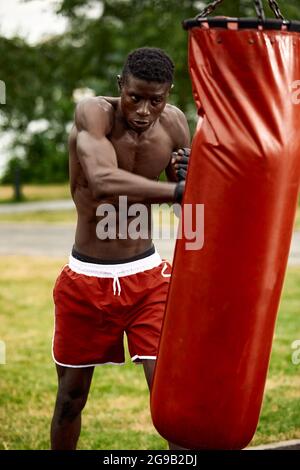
column 276, row 10
column 259, row 10
column 258, row 7
column 209, row 9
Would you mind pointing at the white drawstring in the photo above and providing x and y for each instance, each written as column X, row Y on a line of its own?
column 163, row 271
column 116, row 283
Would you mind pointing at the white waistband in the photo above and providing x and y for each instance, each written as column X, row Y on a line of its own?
column 115, row 270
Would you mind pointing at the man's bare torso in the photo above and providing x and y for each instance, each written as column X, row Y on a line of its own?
column 147, row 154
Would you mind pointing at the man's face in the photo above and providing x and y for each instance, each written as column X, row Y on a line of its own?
column 142, row 102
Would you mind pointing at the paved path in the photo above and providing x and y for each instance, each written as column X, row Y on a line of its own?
column 57, row 240
column 50, row 239
column 18, row 208
column 283, row 445
column 294, row 258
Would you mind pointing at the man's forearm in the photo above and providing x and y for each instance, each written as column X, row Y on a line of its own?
column 115, row 182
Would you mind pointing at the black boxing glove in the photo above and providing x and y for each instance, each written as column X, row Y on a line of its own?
column 180, row 160
column 179, row 190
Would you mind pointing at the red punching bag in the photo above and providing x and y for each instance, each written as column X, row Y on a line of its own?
column 245, row 168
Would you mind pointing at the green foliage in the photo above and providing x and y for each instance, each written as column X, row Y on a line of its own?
column 45, row 162
column 41, row 79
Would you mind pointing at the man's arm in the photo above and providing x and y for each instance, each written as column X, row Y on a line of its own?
column 177, row 167
column 93, row 121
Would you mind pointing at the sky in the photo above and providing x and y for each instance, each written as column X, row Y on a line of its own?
column 31, row 20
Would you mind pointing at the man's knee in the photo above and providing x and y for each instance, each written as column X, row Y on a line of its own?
column 70, row 404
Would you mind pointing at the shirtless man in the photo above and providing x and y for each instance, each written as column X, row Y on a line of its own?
column 118, row 147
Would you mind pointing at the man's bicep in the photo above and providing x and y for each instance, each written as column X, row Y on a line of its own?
column 95, row 155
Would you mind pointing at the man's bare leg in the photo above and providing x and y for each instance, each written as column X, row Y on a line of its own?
column 149, row 365
column 73, row 389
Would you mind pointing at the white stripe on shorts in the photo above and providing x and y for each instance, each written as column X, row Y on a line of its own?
column 115, row 270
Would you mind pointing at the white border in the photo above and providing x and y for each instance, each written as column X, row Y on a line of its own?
column 80, row 366
column 143, row 357
column 87, row 365
column 115, row 270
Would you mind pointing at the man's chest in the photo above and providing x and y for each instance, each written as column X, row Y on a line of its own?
column 147, row 156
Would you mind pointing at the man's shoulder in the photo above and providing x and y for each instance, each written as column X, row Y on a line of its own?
column 173, row 120
column 172, row 110
column 173, row 116
column 94, row 110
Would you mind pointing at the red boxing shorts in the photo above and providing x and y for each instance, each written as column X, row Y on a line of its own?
column 96, row 303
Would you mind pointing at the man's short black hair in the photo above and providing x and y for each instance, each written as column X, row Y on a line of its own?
column 150, row 64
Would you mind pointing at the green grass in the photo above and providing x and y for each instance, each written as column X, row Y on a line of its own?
column 117, row 414
column 280, row 418
column 36, row 192
column 61, row 216
column 69, row 216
